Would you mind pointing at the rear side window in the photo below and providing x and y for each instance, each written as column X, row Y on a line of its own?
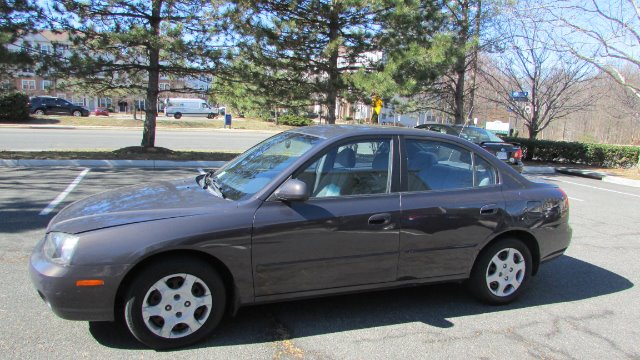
column 486, row 174
column 436, row 165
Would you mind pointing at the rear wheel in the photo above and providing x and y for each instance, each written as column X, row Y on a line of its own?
column 39, row 112
column 76, row 113
column 177, row 115
column 174, row 303
column 501, row 272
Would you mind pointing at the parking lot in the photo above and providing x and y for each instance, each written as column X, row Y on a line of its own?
column 583, row 305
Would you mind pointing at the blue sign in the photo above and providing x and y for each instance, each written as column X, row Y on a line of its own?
column 519, row 95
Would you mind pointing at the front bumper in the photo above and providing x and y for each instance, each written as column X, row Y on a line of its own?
column 56, row 285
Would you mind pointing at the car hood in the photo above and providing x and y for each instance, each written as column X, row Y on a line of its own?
column 134, row 204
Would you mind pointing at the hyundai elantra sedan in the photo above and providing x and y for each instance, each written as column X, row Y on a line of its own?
column 308, row 212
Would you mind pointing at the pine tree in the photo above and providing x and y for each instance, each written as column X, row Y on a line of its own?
column 17, row 17
column 304, row 49
column 127, row 44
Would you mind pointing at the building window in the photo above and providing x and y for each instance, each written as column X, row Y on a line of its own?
column 45, row 49
column 104, row 102
column 46, row 84
column 79, row 101
column 28, row 84
column 164, row 86
column 5, row 85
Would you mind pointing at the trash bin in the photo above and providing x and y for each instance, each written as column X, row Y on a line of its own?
column 227, row 120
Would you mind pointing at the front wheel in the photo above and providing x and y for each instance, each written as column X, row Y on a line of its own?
column 76, row 113
column 174, row 303
column 501, row 272
column 177, row 115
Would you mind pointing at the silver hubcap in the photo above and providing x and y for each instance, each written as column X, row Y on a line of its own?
column 177, row 305
column 505, row 272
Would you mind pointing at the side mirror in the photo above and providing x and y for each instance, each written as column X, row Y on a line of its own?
column 292, row 190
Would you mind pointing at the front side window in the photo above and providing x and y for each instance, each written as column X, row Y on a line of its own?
column 356, row 168
column 253, row 170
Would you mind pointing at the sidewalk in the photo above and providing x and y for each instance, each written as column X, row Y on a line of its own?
column 541, row 170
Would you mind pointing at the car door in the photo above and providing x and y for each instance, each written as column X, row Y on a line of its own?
column 345, row 234
column 451, row 204
column 61, row 107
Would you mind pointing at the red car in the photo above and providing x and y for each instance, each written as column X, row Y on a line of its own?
column 101, row 111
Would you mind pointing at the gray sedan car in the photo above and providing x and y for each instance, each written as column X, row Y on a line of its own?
column 308, row 212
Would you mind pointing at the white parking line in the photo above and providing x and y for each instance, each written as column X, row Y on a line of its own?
column 52, row 205
column 594, row 187
column 575, row 199
column 201, row 171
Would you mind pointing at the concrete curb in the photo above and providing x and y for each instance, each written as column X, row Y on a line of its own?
column 532, row 170
column 581, row 172
column 153, row 164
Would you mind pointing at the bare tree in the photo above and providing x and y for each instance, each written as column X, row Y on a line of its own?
column 552, row 81
column 605, row 33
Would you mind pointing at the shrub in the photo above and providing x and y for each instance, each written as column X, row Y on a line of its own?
column 294, row 120
column 610, row 156
column 14, row 106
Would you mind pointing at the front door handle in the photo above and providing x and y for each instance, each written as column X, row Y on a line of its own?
column 489, row 209
column 380, row 219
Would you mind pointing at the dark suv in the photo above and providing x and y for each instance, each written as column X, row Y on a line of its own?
column 49, row 105
column 511, row 153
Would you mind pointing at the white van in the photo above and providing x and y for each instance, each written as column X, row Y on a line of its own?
column 177, row 107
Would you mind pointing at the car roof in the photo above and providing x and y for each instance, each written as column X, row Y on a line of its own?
column 339, row 131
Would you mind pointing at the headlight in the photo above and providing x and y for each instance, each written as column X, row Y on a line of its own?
column 59, row 247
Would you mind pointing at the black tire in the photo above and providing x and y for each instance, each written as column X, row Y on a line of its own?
column 177, row 304
column 39, row 112
column 177, row 115
column 76, row 113
column 495, row 284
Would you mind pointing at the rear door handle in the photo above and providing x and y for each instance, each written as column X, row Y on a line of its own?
column 489, row 209
column 380, row 219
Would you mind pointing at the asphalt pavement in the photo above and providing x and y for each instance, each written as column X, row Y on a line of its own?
column 580, row 306
column 43, row 138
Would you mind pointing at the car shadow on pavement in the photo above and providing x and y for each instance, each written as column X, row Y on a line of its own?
column 563, row 280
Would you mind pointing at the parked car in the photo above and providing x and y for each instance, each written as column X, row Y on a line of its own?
column 308, row 212
column 510, row 153
column 101, row 111
column 49, row 105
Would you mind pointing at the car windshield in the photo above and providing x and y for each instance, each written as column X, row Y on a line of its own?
column 251, row 171
column 478, row 135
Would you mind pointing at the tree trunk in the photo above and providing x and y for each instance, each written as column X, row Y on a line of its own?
column 151, row 108
column 461, row 62
column 474, row 61
column 459, row 96
column 334, row 74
